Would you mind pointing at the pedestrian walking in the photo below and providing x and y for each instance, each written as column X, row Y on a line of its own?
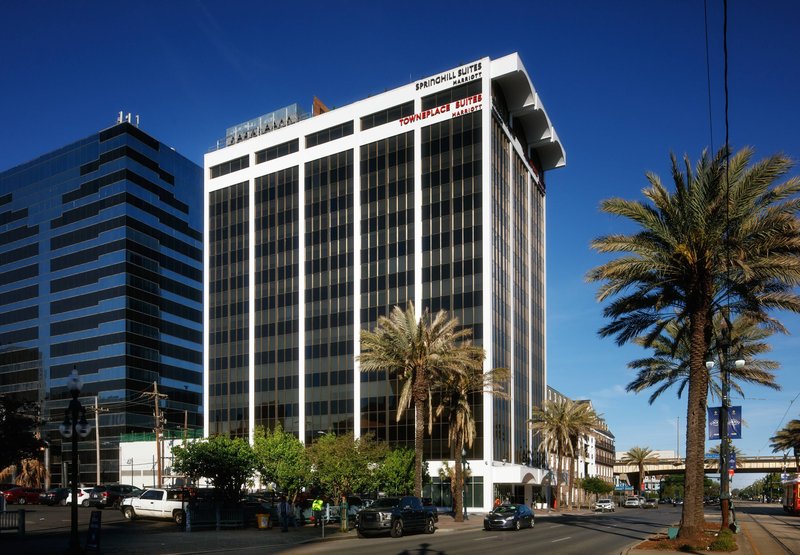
column 283, row 514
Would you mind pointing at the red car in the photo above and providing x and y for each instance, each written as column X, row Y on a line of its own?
column 22, row 496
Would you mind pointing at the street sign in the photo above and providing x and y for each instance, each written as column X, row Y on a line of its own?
column 730, row 472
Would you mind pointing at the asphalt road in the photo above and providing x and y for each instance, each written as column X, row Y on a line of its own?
column 597, row 534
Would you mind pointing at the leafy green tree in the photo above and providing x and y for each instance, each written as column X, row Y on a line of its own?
column 18, row 431
column 456, row 392
column 561, row 422
column 395, row 474
column 639, row 456
column 727, row 238
column 229, row 464
column 594, row 485
column 417, row 352
column 342, row 465
column 281, row 458
column 788, row 438
column 672, row 486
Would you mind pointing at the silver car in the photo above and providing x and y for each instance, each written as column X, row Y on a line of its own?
column 604, row 505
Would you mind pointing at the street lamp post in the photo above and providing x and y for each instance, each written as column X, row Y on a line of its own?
column 725, row 442
column 71, row 428
column 464, row 482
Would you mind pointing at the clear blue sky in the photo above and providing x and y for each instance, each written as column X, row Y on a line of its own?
column 623, row 82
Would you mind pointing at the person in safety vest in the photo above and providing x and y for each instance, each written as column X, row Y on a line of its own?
column 316, row 508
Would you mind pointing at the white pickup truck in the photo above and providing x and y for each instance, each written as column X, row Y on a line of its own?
column 155, row 503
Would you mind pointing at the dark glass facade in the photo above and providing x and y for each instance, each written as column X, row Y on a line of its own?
column 101, row 270
column 387, row 269
column 228, row 324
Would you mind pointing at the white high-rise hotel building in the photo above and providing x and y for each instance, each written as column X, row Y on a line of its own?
column 316, row 225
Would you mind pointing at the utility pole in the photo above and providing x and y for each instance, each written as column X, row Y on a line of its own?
column 158, row 429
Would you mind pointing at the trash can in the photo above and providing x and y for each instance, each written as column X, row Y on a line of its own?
column 264, row 521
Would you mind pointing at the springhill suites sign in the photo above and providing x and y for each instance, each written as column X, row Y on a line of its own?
column 453, row 77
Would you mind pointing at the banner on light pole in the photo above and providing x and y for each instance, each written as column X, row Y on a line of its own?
column 734, row 422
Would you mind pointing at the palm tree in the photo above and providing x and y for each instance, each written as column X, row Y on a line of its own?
column 456, row 393
column 728, row 237
column 561, row 422
column 582, row 419
column 787, row 438
column 639, row 456
column 669, row 364
column 418, row 352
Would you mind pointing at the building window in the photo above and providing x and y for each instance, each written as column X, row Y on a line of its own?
column 329, row 134
column 230, row 166
column 388, row 115
column 273, row 152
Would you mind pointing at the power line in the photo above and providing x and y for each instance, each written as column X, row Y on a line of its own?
column 708, row 80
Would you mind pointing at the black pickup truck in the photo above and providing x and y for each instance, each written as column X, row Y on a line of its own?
column 395, row 515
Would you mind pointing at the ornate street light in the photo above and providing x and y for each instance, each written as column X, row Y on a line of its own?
column 71, row 428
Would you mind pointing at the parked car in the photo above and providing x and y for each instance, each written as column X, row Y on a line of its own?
column 507, row 517
column 650, row 504
column 604, row 505
column 111, row 495
column 156, row 503
column 631, row 502
column 83, row 496
column 395, row 515
column 54, row 496
column 21, row 496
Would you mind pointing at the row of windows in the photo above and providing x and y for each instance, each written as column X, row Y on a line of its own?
column 334, row 262
column 287, row 244
column 225, row 362
column 329, row 350
column 12, row 216
column 460, row 268
column 280, row 274
column 452, row 94
column 279, row 355
column 325, row 321
column 26, row 251
column 277, row 151
column 320, row 408
column 21, row 294
column 8, row 237
column 19, row 274
column 277, row 301
column 388, row 115
column 329, row 292
column 282, row 383
column 329, row 134
column 277, row 328
column 19, row 315
column 126, row 151
column 387, row 191
column 390, row 220
column 329, row 234
column 282, row 217
column 326, row 206
column 384, row 252
column 394, row 280
column 230, row 166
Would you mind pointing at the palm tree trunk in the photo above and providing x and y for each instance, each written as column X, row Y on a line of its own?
column 419, row 431
column 559, row 468
column 692, row 518
column 458, row 506
column 571, row 486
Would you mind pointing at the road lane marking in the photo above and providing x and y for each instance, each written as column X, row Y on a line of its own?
column 561, row 539
column 487, row 538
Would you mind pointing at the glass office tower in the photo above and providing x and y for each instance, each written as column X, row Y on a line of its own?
column 100, row 270
column 317, row 225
